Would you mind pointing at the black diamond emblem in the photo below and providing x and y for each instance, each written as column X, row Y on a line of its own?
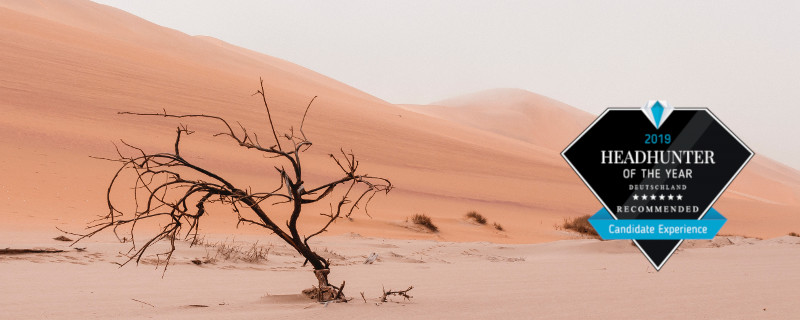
column 641, row 165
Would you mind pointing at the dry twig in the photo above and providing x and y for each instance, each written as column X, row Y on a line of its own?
column 402, row 293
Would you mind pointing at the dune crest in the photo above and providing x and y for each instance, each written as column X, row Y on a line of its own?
column 514, row 113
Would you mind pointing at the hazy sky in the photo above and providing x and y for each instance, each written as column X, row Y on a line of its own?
column 741, row 59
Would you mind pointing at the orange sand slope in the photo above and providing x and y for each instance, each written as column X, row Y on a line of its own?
column 70, row 66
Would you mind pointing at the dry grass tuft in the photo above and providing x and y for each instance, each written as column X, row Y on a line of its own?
column 498, row 226
column 256, row 254
column 229, row 251
column 581, row 225
column 425, row 221
column 794, row 234
column 477, row 217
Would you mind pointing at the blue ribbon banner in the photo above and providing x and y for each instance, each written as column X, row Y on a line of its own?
column 662, row 229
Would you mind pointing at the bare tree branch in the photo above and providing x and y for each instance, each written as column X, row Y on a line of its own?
column 269, row 115
column 304, row 118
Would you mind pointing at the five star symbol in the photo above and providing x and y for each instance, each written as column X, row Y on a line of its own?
column 662, row 196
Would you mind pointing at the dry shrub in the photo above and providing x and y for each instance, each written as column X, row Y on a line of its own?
column 477, row 217
column 198, row 241
column 794, row 234
column 256, row 254
column 229, row 251
column 498, row 226
column 581, row 225
column 425, row 221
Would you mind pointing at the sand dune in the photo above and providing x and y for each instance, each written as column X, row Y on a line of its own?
column 71, row 76
column 75, row 64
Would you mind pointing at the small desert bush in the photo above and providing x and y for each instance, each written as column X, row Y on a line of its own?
column 477, row 217
column 425, row 221
column 62, row 238
column 581, row 225
column 228, row 251
column 794, row 234
column 498, row 226
column 256, row 254
column 198, row 241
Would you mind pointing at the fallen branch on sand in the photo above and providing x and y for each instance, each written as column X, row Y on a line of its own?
column 25, row 251
column 403, row 293
column 142, row 302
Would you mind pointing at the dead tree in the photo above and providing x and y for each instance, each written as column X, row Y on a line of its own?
column 174, row 191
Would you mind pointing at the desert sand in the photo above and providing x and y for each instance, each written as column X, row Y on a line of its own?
column 69, row 67
column 727, row 278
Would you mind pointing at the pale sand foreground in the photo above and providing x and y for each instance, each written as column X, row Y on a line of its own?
column 729, row 277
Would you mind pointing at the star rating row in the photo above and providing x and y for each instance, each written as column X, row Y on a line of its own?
column 646, row 197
